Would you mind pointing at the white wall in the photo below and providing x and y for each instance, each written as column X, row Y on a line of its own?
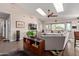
column 74, row 23
column 21, row 15
column 18, row 14
column 24, row 18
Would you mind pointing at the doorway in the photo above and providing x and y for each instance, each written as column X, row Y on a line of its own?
column 4, row 26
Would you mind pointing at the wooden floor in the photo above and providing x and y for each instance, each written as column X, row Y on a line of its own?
column 6, row 47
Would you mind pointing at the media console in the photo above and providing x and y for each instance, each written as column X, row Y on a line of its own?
column 34, row 45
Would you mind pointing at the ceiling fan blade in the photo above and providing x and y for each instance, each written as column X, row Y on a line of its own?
column 54, row 15
column 51, row 14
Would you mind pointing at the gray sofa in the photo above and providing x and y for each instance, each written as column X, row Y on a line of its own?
column 55, row 42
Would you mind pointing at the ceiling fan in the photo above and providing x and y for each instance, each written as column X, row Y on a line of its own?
column 51, row 14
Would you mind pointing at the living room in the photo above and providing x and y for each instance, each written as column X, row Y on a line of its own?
column 53, row 25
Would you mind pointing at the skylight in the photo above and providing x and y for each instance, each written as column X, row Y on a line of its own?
column 40, row 11
column 58, row 7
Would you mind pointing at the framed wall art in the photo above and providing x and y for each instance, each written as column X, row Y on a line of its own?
column 20, row 24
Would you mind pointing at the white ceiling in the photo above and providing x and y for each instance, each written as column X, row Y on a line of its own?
column 71, row 10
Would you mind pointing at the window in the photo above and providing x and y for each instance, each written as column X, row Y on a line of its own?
column 62, row 26
column 58, row 26
column 48, row 26
column 53, row 26
column 68, row 26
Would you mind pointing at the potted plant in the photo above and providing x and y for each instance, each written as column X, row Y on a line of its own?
column 31, row 34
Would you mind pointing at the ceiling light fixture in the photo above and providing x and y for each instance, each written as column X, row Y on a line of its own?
column 40, row 11
column 58, row 7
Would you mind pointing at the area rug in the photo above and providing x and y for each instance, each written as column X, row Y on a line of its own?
column 15, row 53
